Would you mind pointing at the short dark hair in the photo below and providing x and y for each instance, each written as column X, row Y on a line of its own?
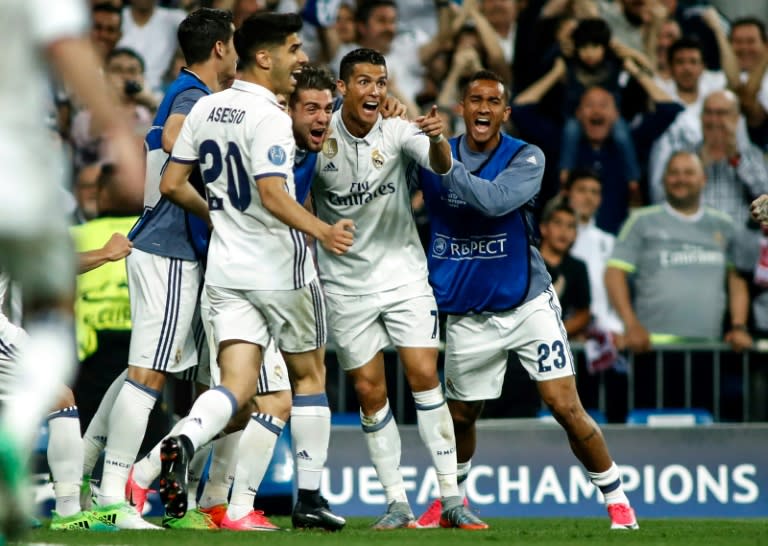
column 126, row 52
column 553, row 206
column 264, row 30
column 364, row 9
column 313, row 77
column 580, row 174
column 686, row 42
column 200, row 31
column 361, row 55
column 593, row 31
column 487, row 75
column 106, row 7
column 750, row 21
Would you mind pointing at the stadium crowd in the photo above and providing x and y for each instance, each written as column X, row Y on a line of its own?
column 649, row 121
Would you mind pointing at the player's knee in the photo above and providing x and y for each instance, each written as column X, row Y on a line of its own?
column 149, row 378
column 566, row 411
column 464, row 414
column 370, row 394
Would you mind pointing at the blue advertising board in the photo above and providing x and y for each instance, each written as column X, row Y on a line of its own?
column 524, row 471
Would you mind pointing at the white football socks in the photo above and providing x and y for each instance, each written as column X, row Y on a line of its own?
column 221, row 473
column 609, row 483
column 385, row 449
column 256, row 447
column 95, row 437
column 127, row 426
column 209, row 415
column 462, row 473
column 311, row 433
column 436, row 431
column 65, row 459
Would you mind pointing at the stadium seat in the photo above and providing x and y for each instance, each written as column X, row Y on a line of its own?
column 545, row 415
column 671, row 417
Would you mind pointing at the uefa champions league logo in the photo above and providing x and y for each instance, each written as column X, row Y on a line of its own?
column 276, row 155
column 439, row 246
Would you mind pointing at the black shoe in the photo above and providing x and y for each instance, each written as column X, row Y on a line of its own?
column 316, row 514
column 174, row 459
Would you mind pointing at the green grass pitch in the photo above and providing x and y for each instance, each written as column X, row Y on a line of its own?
column 523, row 532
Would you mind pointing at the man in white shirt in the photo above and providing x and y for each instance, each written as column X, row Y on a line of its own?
column 260, row 281
column 592, row 245
column 35, row 247
column 150, row 30
column 378, row 293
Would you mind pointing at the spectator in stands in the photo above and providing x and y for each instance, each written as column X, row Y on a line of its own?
column 597, row 149
column 502, row 16
column 593, row 64
column 748, row 41
column 633, row 22
column 669, row 33
column 345, row 24
column 593, row 246
column 678, row 253
column 377, row 28
column 150, row 30
column 735, row 168
column 691, row 82
column 569, row 275
column 106, row 24
column 475, row 48
column 125, row 74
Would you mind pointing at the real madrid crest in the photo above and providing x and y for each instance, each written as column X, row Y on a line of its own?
column 330, row 147
column 377, row 158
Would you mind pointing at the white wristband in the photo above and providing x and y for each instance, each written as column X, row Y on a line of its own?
column 437, row 139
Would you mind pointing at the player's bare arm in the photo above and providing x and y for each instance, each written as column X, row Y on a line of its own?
column 336, row 238
column 171, row 131
column 439, row 150
column 176, row 188
column 117, row 248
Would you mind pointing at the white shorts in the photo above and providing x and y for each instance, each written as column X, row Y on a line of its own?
column 273, row 376
column 477, row 348
column 164, row 294
column 294, row 318
column 361, row 326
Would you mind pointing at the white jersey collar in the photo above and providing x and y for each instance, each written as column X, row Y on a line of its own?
column 256, row 89
column 349, row 136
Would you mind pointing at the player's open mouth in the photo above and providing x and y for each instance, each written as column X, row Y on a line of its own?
column 482, row 124
column 370, row 106
column 317, row 135
column 597, row 121
column 295, row 75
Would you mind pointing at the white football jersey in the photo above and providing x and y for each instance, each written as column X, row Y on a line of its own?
column 365, row 180
column 239, row 136
column 29, row 170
